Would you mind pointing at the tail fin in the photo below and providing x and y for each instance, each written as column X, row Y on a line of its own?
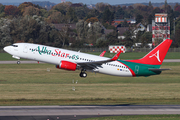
column 157, row 55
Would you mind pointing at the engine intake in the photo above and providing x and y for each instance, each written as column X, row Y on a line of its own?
column 67, row 65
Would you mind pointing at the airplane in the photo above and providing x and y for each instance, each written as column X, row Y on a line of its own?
column 72, row 60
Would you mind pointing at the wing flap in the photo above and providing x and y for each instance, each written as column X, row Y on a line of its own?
column 95, row 64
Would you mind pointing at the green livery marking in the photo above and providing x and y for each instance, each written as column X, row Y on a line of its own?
column 141, row 69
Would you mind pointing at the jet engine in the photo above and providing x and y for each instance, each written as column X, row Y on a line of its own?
column 67, row 65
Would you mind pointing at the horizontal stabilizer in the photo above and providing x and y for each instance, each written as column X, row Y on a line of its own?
column 158, row 70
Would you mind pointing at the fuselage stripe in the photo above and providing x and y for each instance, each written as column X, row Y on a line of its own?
column 132, row 72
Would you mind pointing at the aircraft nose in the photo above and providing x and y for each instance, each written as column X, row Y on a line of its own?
column 6, row 48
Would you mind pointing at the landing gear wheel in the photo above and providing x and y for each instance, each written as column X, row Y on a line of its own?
column 18, row 62
column 83, row 74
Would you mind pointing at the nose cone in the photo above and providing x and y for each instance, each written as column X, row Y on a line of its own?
column 7, row 49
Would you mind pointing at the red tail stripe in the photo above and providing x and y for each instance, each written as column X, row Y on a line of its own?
column 132, row 72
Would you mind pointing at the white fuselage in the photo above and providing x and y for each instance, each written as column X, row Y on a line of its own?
column 54, row 55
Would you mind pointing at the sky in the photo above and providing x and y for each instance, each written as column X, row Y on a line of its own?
column 112, row 2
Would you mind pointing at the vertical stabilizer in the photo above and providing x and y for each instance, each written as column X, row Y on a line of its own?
column 157, row 55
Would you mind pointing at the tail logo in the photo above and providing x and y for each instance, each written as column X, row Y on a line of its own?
column 156, row 55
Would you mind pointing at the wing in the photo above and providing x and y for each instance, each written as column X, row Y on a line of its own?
column 95, row 64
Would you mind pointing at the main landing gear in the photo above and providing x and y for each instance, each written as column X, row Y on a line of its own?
column 83, row 74
column 18, row 62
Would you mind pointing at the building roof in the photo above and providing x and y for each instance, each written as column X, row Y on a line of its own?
column 116, row 22
column 107, row 31
column 122, row 30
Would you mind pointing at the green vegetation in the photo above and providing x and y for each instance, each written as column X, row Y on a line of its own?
column 138, row 117
column 32, row 23
column 43, row 84
column 123, row 56
column 7, row 57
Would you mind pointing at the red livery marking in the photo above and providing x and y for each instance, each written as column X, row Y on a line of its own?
column 156, row 56
column 132, row 72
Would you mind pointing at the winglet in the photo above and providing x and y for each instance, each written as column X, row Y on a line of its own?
column 116, row 56
column 102, row 54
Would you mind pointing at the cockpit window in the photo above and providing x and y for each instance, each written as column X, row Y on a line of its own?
column 15, row 45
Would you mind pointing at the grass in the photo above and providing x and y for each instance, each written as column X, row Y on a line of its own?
column 128, row 55
column 138, row 117
column 32, row 84
column 7, row 57
column 137, row 55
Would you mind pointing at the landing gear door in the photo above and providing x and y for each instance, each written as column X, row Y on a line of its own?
column 25, row 49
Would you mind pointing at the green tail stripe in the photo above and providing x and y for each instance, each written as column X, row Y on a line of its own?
column 141, row 69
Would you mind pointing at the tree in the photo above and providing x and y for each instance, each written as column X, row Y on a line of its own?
column 108, row 16
column 43, row 13
column 5, row 37
column 2, row 7
column 71, row 16
column 150, row 18
column 90, row 34
column 119, row 14
column 62, row 7
column 22, row 6
column 11, row 10
column 177, row 10
column 92, row 20
column 92, row 13
column 31, row 10
column 124, row 23
column 128, row 38
column 64, row 36
column 29, row 29
column 177, row 35
column 150, row 4
column 139, row 18
column 81, row 12
column 138, row 36
column 101, row 6
column 146, row 38
column 55, row 18
column 112, row 38
column 156, row 10
column 102, row 43
column 177, row 7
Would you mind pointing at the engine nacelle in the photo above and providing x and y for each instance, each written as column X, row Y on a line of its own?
column 67, row 65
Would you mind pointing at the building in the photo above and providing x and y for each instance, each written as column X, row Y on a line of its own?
column 119, row 21
column 160, row 28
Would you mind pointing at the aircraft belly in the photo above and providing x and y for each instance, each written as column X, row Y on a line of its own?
column 115, row 71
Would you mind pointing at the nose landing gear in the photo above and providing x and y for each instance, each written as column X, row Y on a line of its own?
column 18, row 62
column 83, row 73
